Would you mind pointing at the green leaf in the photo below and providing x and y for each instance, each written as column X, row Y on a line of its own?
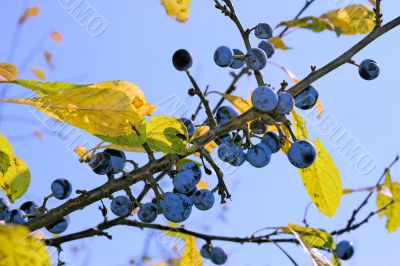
column 314, row 237
column 389, row 191
column 163, row 134
column 16, row 180
column 191, row 255
column 6, row 154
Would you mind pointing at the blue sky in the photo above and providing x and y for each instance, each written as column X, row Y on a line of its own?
column 137, row 46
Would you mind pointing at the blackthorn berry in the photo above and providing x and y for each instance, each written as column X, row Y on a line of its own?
column 184, row 181
column 223, row 56
column 205, row 251
column 259, row 155
column 29, row 207
column 241, row 158
column 118, row 160
column 148, row 212
column 61, row 188
column 16, row 217
column 218, row 255
column 59, row 226
column 307, row 98
column 194, row 168
column 264, row 99
column 182, row 60
column 228, row 152
column 4, row 210
column 285, row 103
column 302, row 154
column 189, row 126
column 176, row 207
column 256, row 59
column 263, row 31
column 267, row 47
column 369, row 69
column 203, row 199
column 101, row 163
column 224, row 114
column 344, row 250
column 237, row 63
column 271, row 139
column 223, row 139
column 121, row 206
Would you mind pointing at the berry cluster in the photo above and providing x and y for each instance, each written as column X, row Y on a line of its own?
column 61, row 189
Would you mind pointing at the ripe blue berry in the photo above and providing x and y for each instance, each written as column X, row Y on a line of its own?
column 285, row 103
column 228, row 152
column 223, row 56
column 241, row 158
column 267, row 47
column 307, row 98
column 302, row 154
column 223, row 139
column 118, row 160
column 218, row 255
column 101, row 163
column 344, row 250
column 237, row 63
column 182, row 60
column 259, row 155
column 189, row 126
column 61, row 188
column 224, row 114
column 258, row 127
column 203, row 199
column 264, row 99
column 263, row 31
column 59, row 226
column 205, row 251
column 121, row 206
column 16, row 217
column 369, row 69
column 271, row 139
column 194, row 168
column 184, row 181
column 4, row 210
column 29, row 207
column 176, row 207
column 256, row 59
column 148, row 213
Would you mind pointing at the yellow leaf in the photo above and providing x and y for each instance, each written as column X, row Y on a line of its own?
column 315, row 237
column 322, row 181
column 15, row 181
column 313, row 23
column 320, row 109
column 392, row 211
column 373, row 2
column 8, row 72
column 352, row 19
column 287, row 71
column 201, row 131
column 162, row 133
column 177, row 8
column 317, row 258
column 20, row 247
column 191, row 256
column 29, row 12
column 56, row 36
column 39, row 73
column 347, row 191
column 81, row 151
column 107, row 109
column 299, row 125
column 335, row 261
column 202, row 185
column 278, row 43
column 285, row 147
column 238, row 102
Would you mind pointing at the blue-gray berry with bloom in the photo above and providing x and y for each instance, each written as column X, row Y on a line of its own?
column 192, row 167
column 263, row 31
column 237, row 62
column 58, row 226
column 148, row 212
column 118, row 160
column 256, row 59
column 61, row 188
column 224, row 114
column 223, row 56
column 121, row 206
column 267, row 47
column 189, row 126
column 264, row 99
column 307, row 98
column 271, row 139
column 259, row 155
column 285, row 103
column 184, row 181
column 302, row 154
column 344, row 250
column 176, row 207
column 16, row 217
column 369, row 69
column 203, row 199
column 218, row 256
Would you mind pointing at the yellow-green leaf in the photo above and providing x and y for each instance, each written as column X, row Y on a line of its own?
column 317, row 258
column 6, row 154
column 322, row 181
column 351, row 19
column 15, row 181
column 20, row 247
column 162, row 133
column 392, row 211
column 177, row 8
column 335, row 261
column 191, row 255
column 108, row 108
column 8, row 72
column 315, row 237
column 299, row 125
column 278, row 43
